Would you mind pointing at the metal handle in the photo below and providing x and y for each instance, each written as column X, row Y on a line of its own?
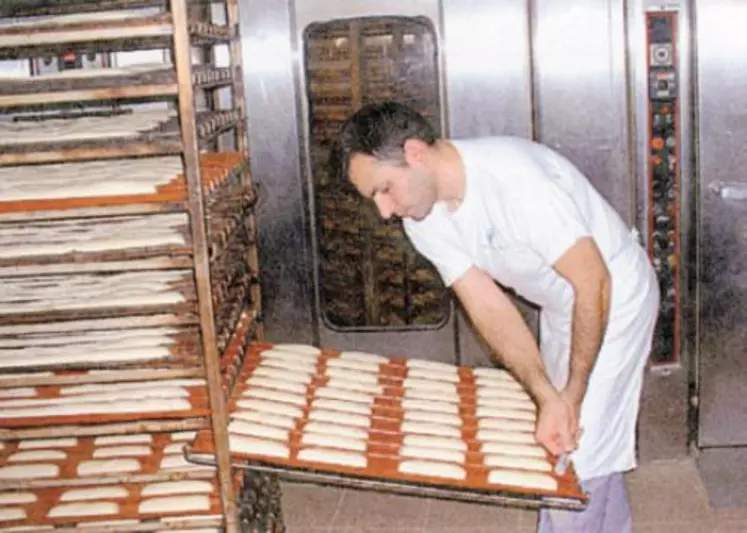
column 728, row 191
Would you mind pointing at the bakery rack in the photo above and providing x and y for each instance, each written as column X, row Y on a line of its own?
column 386, row 433
column 127, row 248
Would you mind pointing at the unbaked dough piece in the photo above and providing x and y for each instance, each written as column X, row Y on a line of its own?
column 433, row 366
column 506, row 383
column 492, row 373
column 277, row 384
column 352, row 364
column 423, row 373
column 298, row 348
column 353, row 375
column 84, row 509
column 29, row 471
column 65, row 442
column 335, row 457
column 94, row 493
column 506, row 403
column 345, row 395
column 283, row 409
column 333, row 441
column 10, row 498
column 336, row 429
column 107, row 523
column 8, row 514
column 518, row 462
column 432, row 469
column 506, row 424
column 22, row 392
column 177, row 447
column 172, row 504
column 179, row 462
column 190, row 486
column 37, row 455
column 425, row 394
column 363, row 357
column 422, row 428
column 508, row 393
column 432, row 417
column 255, row 446
column 268, row 419
column 182, row 436
column 506, row 448
column 429, row 441
column 364, row 388
column 434, row 454
column 524, row 479
column 424, row 384
column 340, row 405
column 288, row 355
column 154, row 405
column 251, row 429
column 135, row 387
column 282, row 374
column 513, row 414
column 517, row 437
column 121, row 451
column 107, row 466
column 111, row 440
column 338, row 417
column 308, row 368
column 271, row 395
column 409, row 404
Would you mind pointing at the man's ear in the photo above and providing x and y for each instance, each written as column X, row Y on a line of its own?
column 415, row 153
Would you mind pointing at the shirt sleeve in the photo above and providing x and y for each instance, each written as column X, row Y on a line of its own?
column 549, row 219
column 438, row 240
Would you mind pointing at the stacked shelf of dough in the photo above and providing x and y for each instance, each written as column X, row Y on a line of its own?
column 370, row 275
column 127, row 255
column 125, row 481
column 404, row 421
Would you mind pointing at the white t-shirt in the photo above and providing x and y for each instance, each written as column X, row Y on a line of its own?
column 524, row 206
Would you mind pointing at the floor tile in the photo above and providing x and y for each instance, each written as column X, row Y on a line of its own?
column 447, row 514
column 373, row 510
column 310, row 506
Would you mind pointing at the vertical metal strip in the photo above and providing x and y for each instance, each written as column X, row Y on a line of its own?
column 182, row 61
column 534, row 100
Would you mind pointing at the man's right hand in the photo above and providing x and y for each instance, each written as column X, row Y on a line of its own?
column 557, row 426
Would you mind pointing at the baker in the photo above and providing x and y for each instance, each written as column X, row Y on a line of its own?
column 513, row 211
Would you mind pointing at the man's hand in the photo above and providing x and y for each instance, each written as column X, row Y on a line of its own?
column 557, row 425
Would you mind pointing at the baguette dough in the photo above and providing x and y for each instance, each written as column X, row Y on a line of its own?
column 121, row 451
column 416, row 452
column 177, row 487
column 424, row 384
column 435, row 418
column 506, row 403
column 513, row 414
column 172, row 504
column 274, row 396
column 363, row 357
column 351, row 364
column 95, row 493
column 254, row 446
column 268, row 419
column 338, row 417
column 251, row 429
column 333, row 441
column 288, row 355
column 409, row 404
column 433, row 366
column 277, row 384
column 107, row 466
column 421, row 428
column 522, row 463
column 432, row 469
column 505, row 448
column 29, row 471
column 65, row 442
column 84, row 509
column 429, row 441
column 335, row 429
column 299, row 348
column 111, row 440
column 517, row 437
column 353, row 375
column 281, row 374
column 9, row 498
column 340, row 405
column 345, row 395
column 274, row 408
column 422, row 373
column 11, row 513
column 294, row 366
column 425, row 394
column 37, row 455
column 367, row 388
column 337, row 457
column 522, row 478
column 506, row 424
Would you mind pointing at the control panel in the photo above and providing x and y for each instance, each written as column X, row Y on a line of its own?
column 664, row 178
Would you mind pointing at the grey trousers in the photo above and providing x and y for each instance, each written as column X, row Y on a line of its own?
column 608, row 510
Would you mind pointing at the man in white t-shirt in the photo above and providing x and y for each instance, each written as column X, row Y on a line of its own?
column 509, row 210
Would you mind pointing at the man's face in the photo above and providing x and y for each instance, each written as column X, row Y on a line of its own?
column 401, row 190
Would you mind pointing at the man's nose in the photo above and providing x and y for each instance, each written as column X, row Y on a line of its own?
column 384, row 205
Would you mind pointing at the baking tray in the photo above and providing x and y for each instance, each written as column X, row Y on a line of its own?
column 384, row 439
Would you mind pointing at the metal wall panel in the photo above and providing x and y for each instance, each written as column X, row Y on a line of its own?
column 722, row 129
column 581, row 92
column 273, row 143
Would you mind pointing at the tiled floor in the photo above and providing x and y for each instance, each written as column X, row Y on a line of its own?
column 667, row 497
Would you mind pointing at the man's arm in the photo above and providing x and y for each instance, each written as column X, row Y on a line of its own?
column 500, row 324
column 582, row 265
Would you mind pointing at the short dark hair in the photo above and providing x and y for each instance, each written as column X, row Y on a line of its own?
column 380, row 130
